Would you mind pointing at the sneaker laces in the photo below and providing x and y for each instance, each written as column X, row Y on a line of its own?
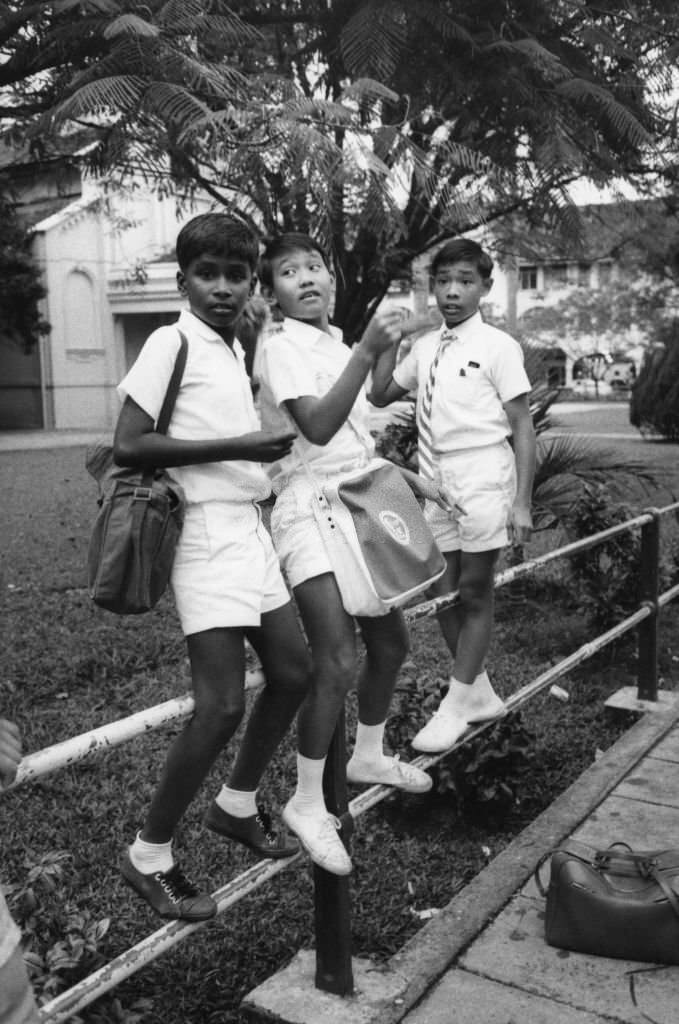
column 409, row 773
column 329, row 829
column 263, row 819
column 176, row 885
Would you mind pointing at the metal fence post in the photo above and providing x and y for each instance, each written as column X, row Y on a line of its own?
column 332, row 905
column 649, row 575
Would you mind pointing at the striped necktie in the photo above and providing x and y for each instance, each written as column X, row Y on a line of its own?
column 425, row 441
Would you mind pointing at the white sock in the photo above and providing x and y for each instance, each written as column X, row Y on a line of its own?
column 151, row 857
column 458, row 693
column 308, row 797
column 369, row 743
column 238, row 802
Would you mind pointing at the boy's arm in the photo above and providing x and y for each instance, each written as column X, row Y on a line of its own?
column 137, row 444
column 523, row 434
column 319, row 419
column 10, row 751
column 384, row 388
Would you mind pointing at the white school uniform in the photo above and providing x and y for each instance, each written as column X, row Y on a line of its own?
column 480, row 370
column 225, row 571
column 296, row 360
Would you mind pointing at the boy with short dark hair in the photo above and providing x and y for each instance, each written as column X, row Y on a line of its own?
column 472, row 396
column 226, row 577
column 309, row 377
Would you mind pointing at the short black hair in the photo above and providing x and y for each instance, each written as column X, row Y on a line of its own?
column 463, row 249
column 281, row 245
column 216, row 234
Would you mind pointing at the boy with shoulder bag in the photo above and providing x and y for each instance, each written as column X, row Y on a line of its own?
column 226, row 578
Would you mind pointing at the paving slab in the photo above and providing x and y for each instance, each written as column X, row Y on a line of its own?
column 513, row 950
column 645, row 826
column 466, row 998
column 654, row 781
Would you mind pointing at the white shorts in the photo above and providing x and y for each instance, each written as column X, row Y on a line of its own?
column 225, row 571
column 295, row 533
column 483, row 482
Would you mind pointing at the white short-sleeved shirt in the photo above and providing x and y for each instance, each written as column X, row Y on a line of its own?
column 296, row 360
column 214, row 401
column 478, row 372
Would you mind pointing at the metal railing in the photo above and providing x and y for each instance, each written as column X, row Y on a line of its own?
column 332, row 903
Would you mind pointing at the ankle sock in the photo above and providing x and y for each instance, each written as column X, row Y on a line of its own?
column 237, row 802
column 308, row 796
column 456, row 697
column 368, row 748
column 151, row 857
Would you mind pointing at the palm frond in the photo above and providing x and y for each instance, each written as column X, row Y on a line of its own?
column 132, row 25
column 620, row 117
column 373, row 40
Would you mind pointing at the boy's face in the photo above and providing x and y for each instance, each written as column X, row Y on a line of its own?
column 302, row 286
column 217, row 288
column 458, row 289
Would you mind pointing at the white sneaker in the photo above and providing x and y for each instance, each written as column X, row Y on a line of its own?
column 440, row 733
column 391, row 772
column 319, row 836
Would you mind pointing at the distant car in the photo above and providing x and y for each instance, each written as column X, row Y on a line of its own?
column 588, row 388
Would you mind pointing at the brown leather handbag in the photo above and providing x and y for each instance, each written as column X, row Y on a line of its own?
column 616, row 902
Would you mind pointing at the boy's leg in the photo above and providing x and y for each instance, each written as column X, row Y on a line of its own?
column 470, row 697
column 331, row 635
column 387, row 643
column 286, row 663
column 17, row 1002
column 217, row 673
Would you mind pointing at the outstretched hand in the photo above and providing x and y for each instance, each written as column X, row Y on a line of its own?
column 261, row 446
column 10, row 751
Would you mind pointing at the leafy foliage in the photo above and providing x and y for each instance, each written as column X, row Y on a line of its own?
column 654, row 403
column 383, row 128
column 21, row 288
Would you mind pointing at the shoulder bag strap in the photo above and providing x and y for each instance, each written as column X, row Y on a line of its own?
column 173, row 387
column 167, row 407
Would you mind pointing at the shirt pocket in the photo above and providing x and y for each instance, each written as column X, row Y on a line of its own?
column 465, row 386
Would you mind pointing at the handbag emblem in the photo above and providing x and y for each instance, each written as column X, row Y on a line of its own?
column 396, row 526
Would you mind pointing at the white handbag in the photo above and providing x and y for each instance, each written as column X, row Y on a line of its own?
column 379, row 544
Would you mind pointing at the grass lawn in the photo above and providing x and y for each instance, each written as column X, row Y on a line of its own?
column 68, row 666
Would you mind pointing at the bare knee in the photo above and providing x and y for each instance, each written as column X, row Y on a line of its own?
column 335, row 671
column 218, row 719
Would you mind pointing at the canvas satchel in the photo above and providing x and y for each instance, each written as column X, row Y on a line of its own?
column 614, row 902
column 378, row 541
column 141, row 514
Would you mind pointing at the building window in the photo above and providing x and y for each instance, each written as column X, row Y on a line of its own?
column 605, row 273
column 583, row 275
column 556, row 275
column 528, row 278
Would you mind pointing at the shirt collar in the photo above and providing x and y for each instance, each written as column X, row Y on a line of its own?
column 308, row 334
column 190, row 322
column 467, row 326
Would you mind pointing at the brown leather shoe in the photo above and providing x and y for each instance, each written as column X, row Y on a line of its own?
column 170, row 893
column 255, row 832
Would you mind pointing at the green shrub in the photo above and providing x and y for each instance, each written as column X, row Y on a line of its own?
column 606, row 578
column 654, row 403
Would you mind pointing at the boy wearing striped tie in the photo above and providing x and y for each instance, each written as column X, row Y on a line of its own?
column 472, row 397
